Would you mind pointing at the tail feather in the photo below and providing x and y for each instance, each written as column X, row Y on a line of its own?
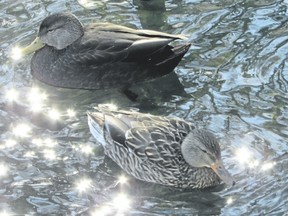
column 168, row 62
column 176, row 55
column 96, row 124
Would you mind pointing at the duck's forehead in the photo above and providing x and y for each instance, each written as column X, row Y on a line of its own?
column 50, row 20
column 46, row 24
column 58, row 18
column 209, row 140
column 213, row 144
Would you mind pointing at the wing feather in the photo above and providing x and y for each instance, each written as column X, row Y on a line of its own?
column 155, row 140
column 105, row 43
column 110, row 27
column 155, row 145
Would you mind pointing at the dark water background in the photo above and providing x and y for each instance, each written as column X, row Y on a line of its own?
column 233, row 81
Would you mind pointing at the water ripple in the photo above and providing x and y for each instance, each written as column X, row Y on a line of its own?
column 233, row 81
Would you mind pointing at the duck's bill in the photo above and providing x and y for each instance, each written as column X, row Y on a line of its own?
column 34, row 46
column 220, row 170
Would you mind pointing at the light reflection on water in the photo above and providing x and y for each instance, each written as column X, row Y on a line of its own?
column 234, row 84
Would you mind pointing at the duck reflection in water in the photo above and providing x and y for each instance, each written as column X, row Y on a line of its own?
column 151, row 14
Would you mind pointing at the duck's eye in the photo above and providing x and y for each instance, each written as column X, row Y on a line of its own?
column 204, row 151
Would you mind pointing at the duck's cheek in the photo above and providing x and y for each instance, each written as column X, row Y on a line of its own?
column 61, row 38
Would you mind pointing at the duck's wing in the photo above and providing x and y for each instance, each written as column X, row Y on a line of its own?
column 109, row 43
column 159, row 142
column 110, row 27
column 153, row 144
column 153, row 139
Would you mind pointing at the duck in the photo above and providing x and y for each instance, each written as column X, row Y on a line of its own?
column 100, row 55
column 163, row 150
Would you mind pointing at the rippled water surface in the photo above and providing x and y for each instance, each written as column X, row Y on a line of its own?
column 233, row 81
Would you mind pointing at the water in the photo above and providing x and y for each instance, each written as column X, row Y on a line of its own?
column 233, row 81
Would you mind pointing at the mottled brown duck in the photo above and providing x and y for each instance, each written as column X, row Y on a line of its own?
column 164, row 150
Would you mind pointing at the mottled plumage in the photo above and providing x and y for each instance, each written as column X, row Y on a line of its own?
column 163, row 150
column 100, row 55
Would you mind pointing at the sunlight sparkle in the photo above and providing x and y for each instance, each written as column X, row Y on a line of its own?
column 10, row 143
column 83, row 185
column 36, row 107
column 102, row 211
column 122, row 179
column 229, row 201
column 243, row 155
column 71, row 113
column 268, row 166
column 49, row 154
column 50, row 143
column 36, row 95
column 12, row 95
column 88, row 4
column 86, row 149
column 54, row 114
column 36, row 99
column 16, row 53
column 121, row 202
column 254, row 164
column 5, row 213
column 3, row 170
column 37, row 141
column 22, row 130
column 29, row 154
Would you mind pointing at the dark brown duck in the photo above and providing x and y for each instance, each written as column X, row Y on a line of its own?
column 100, row 55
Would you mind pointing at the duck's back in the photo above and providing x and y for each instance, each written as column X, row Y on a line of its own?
column 108, row 56
column 149, row 148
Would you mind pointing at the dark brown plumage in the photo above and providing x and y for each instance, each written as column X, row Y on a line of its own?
column 100, row 55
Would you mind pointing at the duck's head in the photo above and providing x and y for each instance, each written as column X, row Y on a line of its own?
column 58, row 30
column 200, row 149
